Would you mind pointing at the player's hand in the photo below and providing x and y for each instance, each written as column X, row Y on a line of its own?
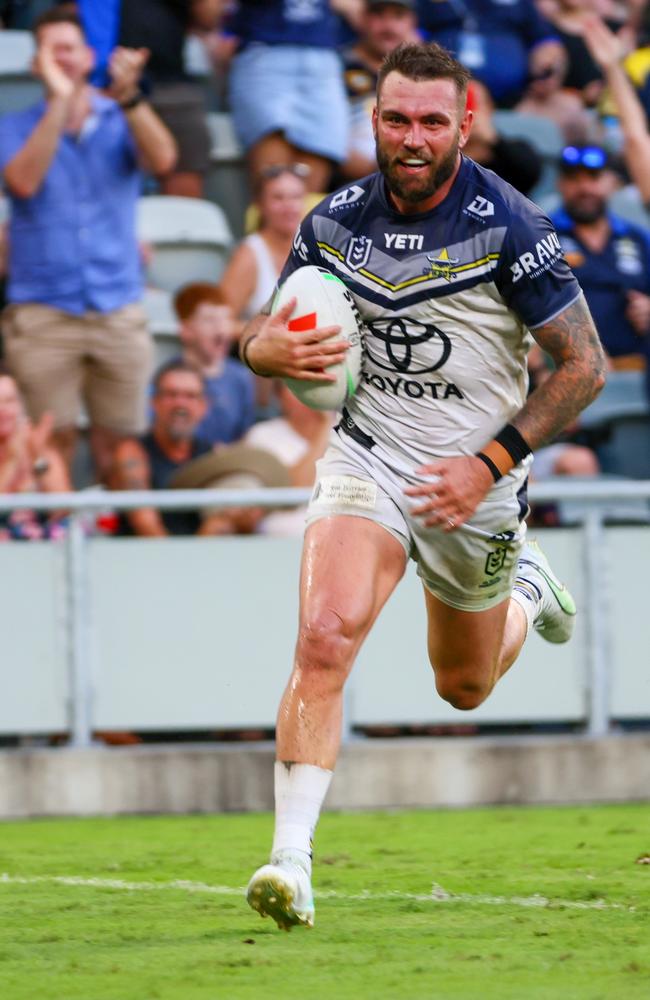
column 46, row 68
column 457, row 487
column 638, row 312
column 125, row 68
column 304, row 354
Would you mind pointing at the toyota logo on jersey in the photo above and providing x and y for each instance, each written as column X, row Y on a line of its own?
column 397, row 338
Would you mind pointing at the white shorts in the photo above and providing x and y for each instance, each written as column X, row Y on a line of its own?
column 472, row 568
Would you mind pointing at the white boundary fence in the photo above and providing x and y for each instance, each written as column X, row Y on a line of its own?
column 592, row 502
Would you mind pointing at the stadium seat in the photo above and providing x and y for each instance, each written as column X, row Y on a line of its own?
column 545, row 137
column 190, row 240
column 18, row 88
column 227, row 180
column 623, row 397
column 621, row 413
column 627, row 203
column 163, row 324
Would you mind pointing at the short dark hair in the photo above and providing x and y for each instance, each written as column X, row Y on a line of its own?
column 175, row 365
column 424, row 62
column 65, row 14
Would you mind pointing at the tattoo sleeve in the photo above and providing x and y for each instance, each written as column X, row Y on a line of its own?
column 572, row 342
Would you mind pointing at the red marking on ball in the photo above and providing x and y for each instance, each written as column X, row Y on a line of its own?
column 301, row 323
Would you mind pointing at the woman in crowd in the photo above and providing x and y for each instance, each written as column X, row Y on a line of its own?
column 27, row 465
column 250, row 277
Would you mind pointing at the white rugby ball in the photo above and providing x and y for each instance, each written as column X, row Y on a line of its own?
column 324, row 300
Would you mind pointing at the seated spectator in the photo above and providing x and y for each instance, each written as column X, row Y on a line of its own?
column 286, row 86
column 207, row 332
column 503, row 44
column 74, row 327
column 609, row 256
column 298, row 438
column 548, row 96
column 513, row 159
column 385, row 24
column 28, row 464
column 254, row 268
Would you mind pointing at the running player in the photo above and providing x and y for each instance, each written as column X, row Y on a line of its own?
column 451, row 270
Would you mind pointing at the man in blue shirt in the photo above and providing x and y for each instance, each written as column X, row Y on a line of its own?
column 609, row 256
column 74, row 329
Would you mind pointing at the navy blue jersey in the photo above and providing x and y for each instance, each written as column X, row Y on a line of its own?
column 447, row 298
column 607, row 277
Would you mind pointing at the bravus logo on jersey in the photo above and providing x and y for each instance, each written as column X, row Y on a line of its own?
column 407, row 349
column 534, row 262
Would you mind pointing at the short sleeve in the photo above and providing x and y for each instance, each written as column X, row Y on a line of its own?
column 533, row 277
column 303, row 250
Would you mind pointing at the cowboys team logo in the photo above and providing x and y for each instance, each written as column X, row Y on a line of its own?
column 358, row 252
column 441, row 267
column 398, row 337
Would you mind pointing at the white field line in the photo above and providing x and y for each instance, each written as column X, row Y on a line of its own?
column 437, row 894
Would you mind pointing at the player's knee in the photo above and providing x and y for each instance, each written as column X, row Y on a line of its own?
column 464, row 695
column 326, row 642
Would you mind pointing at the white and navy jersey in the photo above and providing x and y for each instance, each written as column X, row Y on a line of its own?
column 447, row 298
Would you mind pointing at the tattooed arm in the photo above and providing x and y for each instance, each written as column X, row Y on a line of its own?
column 573, row 343
column 462, row 483
column 131, row 472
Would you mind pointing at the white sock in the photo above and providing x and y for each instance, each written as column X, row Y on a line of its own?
column 528, row 597
column 299, row 793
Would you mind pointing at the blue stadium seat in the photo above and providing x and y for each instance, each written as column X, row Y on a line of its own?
column 227, row 180
column 543, row 135
column 18, row 88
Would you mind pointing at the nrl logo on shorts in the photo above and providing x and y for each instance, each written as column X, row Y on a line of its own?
column 358, row 252
column 442, row 266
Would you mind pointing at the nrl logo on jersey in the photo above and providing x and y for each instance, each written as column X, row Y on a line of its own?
column 441, row 267
column 358, row 252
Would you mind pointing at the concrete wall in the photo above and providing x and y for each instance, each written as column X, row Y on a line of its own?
column 372, row 774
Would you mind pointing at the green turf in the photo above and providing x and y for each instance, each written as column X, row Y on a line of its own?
column 82, row 943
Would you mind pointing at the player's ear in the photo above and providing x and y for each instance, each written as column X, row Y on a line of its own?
column 374, row 121
column 465, row 127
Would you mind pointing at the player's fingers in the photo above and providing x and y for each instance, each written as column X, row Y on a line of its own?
column 318, row 334
column 309, row 375
column 284, row 314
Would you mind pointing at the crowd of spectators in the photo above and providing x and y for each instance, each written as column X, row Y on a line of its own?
column 121, row 116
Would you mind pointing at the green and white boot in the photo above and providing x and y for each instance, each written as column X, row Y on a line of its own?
column 282, row 890
column 556, row 609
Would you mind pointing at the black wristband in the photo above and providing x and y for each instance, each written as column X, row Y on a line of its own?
column 510, row 439
column 496, row 475
column 133, row 102
column 243, row 354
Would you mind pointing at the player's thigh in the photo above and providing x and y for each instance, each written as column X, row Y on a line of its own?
column 44, row 349
column 350, row 567
column 464, row 646
column 118, row 369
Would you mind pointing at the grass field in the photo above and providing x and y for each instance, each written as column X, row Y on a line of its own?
column 124, row 931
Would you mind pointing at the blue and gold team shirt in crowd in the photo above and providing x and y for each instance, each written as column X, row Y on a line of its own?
column 447, row 298
column 606, row 277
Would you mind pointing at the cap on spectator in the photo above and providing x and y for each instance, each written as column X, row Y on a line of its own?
column 234, row 466
column 409, row 4
column 593, row 158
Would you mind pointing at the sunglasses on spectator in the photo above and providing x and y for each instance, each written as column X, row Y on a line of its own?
column 278, row 169
column 585, row 157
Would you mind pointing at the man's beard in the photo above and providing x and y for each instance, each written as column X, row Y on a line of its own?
column 424, row 187
column 585, row 213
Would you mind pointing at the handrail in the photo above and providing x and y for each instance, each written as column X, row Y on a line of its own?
column 596, row 492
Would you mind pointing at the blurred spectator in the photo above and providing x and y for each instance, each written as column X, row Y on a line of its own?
column 504, row 44
column 513, row 159
column 609, row 256
column 162, row 26
column 286, row 86
column 74, row 327
column 548, row 96
column 385, row 24
column 298, row 438
column 253, row 270
column 607, row 51
column 28, row 464
column 171, row 454
column 207, row 332
column 583, row 74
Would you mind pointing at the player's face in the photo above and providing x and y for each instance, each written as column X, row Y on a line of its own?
column 420, row 126
column 585, row 193
column 179, row 405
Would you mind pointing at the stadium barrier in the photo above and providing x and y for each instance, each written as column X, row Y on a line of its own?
column 197, row 634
